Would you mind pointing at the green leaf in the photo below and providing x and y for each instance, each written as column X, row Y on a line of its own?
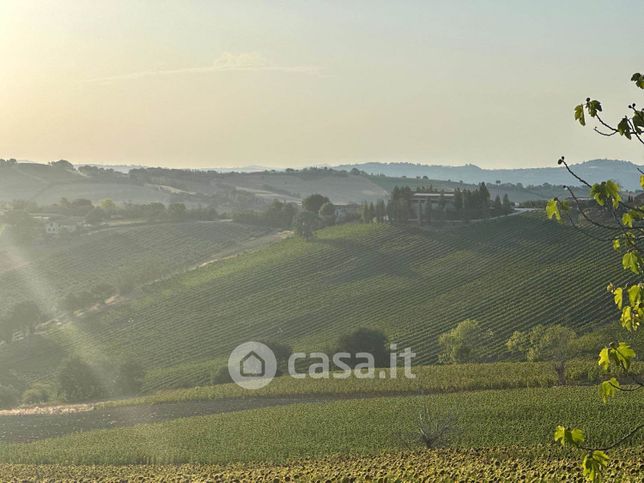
column 642, row 180
column 579, row 114
column 619, row 296
column 593, row 107
column 593, row 465
column 634, row 295
column 608, row 389
column 627, row 220
column 552, row 209
column 567, row 436
column 624, row 354
column 612, row 191
column 626, row 319
column 630, row 261
column 598, row 192
column 624, row 129
column 638, row 79
column 604, row 358
column 616, row 244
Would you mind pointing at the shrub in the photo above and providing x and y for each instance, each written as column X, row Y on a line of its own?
column 78, row 381
column 38, row 393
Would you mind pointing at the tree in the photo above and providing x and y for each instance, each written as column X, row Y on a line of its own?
column 78, row 381
column 381, row 211
column 314, row 202
column 327, row 213
column 96, row 216
column 507, row 205
column 62, row 164
column 305, row 223
column 25, row 316
column 371, row 341
column 23, row 225
column 498, row 206
column 177, row 211
column 108, row 206
column 623, row 223
column 367, row 213
column 554, row 343
column 467, row 342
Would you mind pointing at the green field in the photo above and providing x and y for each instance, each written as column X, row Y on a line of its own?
column 432, row 379
column 509, row 274
column 523, row 417
column 48, row 271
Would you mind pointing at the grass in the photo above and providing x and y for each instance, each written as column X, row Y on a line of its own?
column 510, row 274
column 486, row 419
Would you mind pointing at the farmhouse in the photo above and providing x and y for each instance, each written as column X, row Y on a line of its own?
column 57, row 226
column 421, row 202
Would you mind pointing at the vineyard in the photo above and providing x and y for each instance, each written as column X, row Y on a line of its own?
column 509, row 274
column 485, row 419
column 48, row 271
column 493, row 464
column 431, row 379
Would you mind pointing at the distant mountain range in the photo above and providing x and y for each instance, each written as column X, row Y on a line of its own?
column 624, row 172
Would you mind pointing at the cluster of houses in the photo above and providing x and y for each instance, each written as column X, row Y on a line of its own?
column 55, row 225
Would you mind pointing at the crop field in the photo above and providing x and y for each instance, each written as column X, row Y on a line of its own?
column 430, row 379
column 47, row 272
column 485, row 419
column 509, row 274
column 488, row 464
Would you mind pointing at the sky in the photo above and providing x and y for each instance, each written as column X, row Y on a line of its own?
column 293, row 83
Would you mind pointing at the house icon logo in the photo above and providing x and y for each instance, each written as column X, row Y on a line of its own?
column 252, row 365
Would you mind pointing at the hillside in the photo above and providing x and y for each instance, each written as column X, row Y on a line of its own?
column 593, row 171
column 44, row 185
column 509, row 274
column 48, row 271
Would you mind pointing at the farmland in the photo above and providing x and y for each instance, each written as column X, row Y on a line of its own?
column 431, row 379
column 486, row 419
column 46, row 272
column 510, row 274
column 488, row 464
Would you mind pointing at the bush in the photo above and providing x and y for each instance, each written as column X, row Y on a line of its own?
column 8, row 397
column 78, row 381
column 38, row 393
column 221, row 376
column 371, row 341
column 467, row 342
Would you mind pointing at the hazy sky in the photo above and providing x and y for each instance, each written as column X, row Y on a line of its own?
column 293, row 83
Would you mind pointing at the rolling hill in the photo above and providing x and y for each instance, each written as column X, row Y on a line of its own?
column 48, row 271
column 593, row 171
column 510, row 273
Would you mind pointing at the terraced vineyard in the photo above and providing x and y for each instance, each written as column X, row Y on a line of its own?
column 47, row 272
column 509, row 274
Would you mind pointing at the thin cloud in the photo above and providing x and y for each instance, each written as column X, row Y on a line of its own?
column 227, row 62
